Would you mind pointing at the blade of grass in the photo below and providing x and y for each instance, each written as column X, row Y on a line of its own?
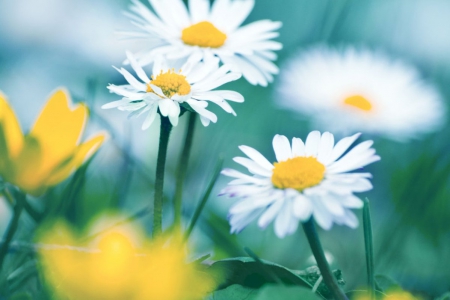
column 204, row 199
column 368, row 242
column 12, row 228
column 158, row 199
column 182, row 169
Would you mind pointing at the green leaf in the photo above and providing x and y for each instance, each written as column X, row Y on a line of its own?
column 446, row 296
column 247, row 272
column 250, row 273
column 21, row 296
column 270, row 292
column 234, row 292
column 267, row 292
column 385, row 283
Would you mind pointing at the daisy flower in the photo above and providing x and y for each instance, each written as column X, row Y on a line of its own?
column 358, row 90
column 174, row 31
column 310, row 179
column 171, row 87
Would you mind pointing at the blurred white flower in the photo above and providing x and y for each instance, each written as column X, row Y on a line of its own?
column 358, row 90
column 172, row 85
column 310, row 179
column 176, row 32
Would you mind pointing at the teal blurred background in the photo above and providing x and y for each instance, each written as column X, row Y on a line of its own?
column 45, row 44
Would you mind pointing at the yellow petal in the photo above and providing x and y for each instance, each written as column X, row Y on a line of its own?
column 26, row 172
column 81, row 154
column 58, row 129
column 13, row 136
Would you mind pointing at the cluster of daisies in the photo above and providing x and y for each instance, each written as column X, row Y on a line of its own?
column 192, row 51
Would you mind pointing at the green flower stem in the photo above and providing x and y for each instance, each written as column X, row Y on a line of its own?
column 37, row 216
column 368, row 242
column 12, row 228
column 165, row 129
column 325, row 271
column 182, row 169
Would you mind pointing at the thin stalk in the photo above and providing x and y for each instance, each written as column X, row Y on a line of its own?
column 201, row 205
column 182, row 169
column 12, row 228
column 317, row 250
column 368, row 242
column 165, row 129
column 34, row 214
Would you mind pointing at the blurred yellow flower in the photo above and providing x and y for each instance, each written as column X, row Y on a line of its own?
column 50, row 151
column 120, row 264
column 390, row 295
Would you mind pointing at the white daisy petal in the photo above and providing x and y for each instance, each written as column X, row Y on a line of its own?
column 137, row 68
column 312, row 143
column 199, row 10
column 333, row 205
column 204, row 113
column 201, row 71
column 269, row 215
column 256, row 157
column 139, row 86
column 174, row 113
column 250, row 204
column 283, row 220
column 250, row 72
column 252, row 166
column 298, row 147
column 325, row 147
column 352, row 201
column 230, row 95
column 322, row 216
column 150, row 117
column 240, row 221
column 143, row 109
column 341, row 147
column 349, row 219
column 164, row 106
column 115, row 104
column 131, row 96
column 281, row 147
column 243, row 178
column 302, row 207
column 172, row 12
column 239, row 12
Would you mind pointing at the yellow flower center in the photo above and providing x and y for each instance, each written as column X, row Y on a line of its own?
column 298, row 173
column 170, row 83
column 203, row 34
column 359, row 102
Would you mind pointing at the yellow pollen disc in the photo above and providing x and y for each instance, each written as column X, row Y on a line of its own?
column 298, row 173
column 359, row 102
column 170, row 83
column 203, row 34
